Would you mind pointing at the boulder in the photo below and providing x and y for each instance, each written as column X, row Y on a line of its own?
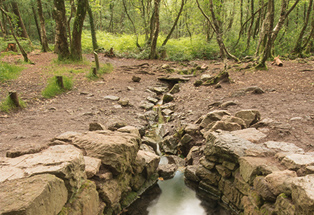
column 212, row 117
column 190, row 173
column 250, row 134
column 249, row 116
column 250, row 167
column 298, row 161
column 167, row 171
column 85, row 202
column 92, row 166
column 280, row 181
column 64, row 161
column 150, row 161
column 226, row 126
column 43, row 194
column 169, row 145
column 303, row 194
column 283, row 147
column 116, row 150
column 229, row 147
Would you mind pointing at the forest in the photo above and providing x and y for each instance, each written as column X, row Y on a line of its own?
column 256, row 30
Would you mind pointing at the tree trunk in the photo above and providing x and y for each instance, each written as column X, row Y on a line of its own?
column 61, row 42
column 266, row 36
column 36, row 22
column 20, row 22
column 2, row 30
column 15, row 38
column 44, row 47
column 155, row 30
column 73, row 12
column 174, row 24
column 298, row 46
column 92, row 27
column 76, row 46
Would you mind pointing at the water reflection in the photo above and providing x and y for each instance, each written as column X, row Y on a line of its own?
column 176, row 198
column 173, row 197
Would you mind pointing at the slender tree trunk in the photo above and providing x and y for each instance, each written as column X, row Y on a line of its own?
column 266, row 35
column 36, row 23
column 73, row 12
column 2, row 30
column 20, row 22
column 92, row 27
column 76, row 46
column 44, row 39
column 134, row 28
column 61, row 42
column 298, row 46
column 15, row 38
column 174, row 24
column 155, row 31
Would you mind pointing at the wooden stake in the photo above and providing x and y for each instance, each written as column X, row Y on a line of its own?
column 96, row 60
column 60, row 81
column 94, row 71
column 15, row 99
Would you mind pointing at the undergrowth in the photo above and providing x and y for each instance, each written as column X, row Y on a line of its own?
column 52, row 89
column 9, row 72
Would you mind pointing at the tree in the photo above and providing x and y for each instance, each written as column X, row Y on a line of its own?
column 15, row 38
column 61, row 42
column 44, row 41
column 216, row 25
column 20, row 22
column 154, row 30
column 298, row 46
column 76, row 46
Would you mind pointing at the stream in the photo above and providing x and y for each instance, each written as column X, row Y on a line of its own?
column 173, row 197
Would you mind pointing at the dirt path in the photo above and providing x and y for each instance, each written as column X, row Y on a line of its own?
column 288, row 99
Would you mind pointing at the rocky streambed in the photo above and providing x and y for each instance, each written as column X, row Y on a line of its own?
column 105, row 170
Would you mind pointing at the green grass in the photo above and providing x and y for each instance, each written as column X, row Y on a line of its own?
column 7, row 105
column 9, row 72
column 104, row 69
column 52, row 89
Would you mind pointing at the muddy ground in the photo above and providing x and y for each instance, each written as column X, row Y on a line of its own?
column 288, row 99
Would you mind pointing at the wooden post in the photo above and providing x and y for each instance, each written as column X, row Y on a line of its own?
column 15, row 99
column 60, row 81
column 94, row 71
column 96, row 60
column 277, row 61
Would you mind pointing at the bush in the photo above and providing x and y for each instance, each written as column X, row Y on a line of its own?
column 54, row 89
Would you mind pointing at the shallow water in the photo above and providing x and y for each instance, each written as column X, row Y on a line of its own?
column 176, row 198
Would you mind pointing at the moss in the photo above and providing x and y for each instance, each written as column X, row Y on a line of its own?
column 128, row 199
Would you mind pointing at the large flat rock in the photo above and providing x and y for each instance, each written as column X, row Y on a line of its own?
column 43, row 194
column 64, row 161
column 116, row 150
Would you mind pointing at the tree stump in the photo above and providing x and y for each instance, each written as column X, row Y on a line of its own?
column 14, row 98
column 277, row 61
column 94, row 71
column 59, row 80
column 11, row 47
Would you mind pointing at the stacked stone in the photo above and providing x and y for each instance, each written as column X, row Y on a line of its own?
column 92, row 173
column 252, row 178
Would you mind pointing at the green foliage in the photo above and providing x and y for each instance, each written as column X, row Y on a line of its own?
column 8, row 72
column 52, row 89
column 7, row 105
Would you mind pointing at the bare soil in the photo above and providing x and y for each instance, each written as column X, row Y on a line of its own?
column 288, row 99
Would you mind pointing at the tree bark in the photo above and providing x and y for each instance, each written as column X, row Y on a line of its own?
column 92, row 27
column 298, row 46
column 266, row 35
column 76, row 46
column 36, row 23
column 61, row 42
column 20, row 22
column 73, row 12
column 155, row 30
column 44, row 44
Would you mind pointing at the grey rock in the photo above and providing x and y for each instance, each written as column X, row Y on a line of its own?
column 280, row 181
column 249, row 116
column 166, row 171
column 297, row 161
column 146, row 105
column 167, row 98
column 283, row 147
column 250, row 134
column 124, row 102
column 302, row 194
column 175, row 89
column 112, row 98
column 212, row 117
column 152, row 100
